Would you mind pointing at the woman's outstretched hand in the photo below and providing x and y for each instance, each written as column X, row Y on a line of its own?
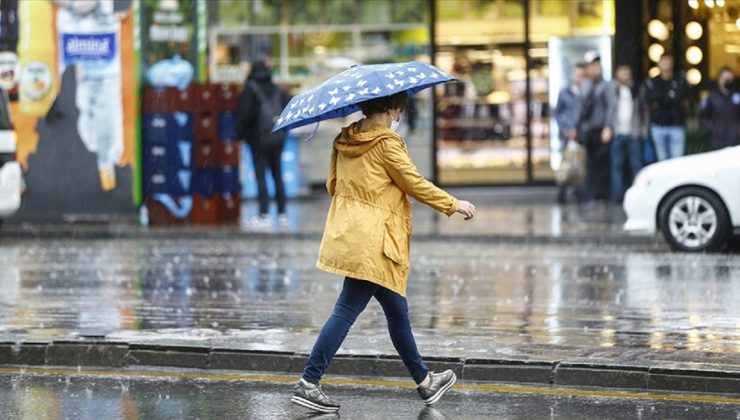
column 467, row 209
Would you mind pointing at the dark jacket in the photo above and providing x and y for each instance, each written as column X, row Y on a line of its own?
column 720, row 114
column 594, row 112
column 248, row 108
column 567, row 111
column 667, row 100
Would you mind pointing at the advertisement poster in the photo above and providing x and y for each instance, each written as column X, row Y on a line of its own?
column 91, row 43
column 169, row 50
column 75, row 109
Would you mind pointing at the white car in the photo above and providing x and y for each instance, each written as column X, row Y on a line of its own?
column 11, row 176
column 693, row 200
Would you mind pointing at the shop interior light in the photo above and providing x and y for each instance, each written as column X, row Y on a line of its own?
column 694, row 55
column 654, row 72
column 694, row 30
column 709, row 3
column 720, row 3
column 658, row 30
column 693, row 76
column 694, row 4
column 655, row 51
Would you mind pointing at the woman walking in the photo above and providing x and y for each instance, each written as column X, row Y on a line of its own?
column 366, row 240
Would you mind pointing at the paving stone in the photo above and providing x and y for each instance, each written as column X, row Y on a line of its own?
column 83, row 354
column 604, row 377
column 508, row 372
column 249, row 361
column 168, row 358
column 694, row 383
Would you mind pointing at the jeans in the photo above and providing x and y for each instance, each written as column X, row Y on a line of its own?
column 633, row 147
column 264, row 157
column 350, row 304
column 670, row 141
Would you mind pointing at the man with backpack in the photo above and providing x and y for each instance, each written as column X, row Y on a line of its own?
column 260, row 105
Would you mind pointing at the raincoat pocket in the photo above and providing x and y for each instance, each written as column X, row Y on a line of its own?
column 394, row 245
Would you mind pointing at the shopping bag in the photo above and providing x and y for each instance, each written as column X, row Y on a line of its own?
column 572, row 168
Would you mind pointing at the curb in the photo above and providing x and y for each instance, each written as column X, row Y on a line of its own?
column 83, row 232
column 109, row 354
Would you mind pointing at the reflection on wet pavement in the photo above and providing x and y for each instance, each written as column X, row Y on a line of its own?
column 498, row 214
column 83, row 397
column 466, row 300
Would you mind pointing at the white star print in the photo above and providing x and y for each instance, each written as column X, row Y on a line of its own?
column 334, row 92
column 334, row 100
column 322, row 106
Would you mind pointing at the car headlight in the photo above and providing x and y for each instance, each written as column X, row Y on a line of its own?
column 642, row 179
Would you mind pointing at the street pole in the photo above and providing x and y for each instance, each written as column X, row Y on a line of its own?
column 528, row 92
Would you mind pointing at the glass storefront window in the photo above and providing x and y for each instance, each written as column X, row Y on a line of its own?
column 482, row 122
column 312, row 40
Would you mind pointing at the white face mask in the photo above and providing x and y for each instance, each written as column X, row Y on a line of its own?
column 395, row 124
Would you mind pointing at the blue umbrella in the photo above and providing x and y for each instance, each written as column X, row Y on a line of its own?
column 340, row 95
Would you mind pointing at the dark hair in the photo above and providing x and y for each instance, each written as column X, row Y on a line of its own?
column 624, row 66
column 725, row 69
column 581, row 66
column 667, row 55
column 379, row 105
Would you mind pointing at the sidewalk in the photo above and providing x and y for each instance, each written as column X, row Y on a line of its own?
column 504, row 214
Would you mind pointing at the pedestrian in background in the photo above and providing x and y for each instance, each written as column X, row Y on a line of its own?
column 367, row 240
column 259, row 107
column 593, row 133
column 627, row 125
column 720, row 112
column 567, row 112
column 667, row 95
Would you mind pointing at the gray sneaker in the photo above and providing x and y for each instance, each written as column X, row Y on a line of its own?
column 313, row 398
column 441, row 382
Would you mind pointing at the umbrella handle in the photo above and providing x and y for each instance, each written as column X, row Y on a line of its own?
column 313, row 133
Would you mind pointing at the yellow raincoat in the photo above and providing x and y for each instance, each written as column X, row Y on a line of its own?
column 368, row 228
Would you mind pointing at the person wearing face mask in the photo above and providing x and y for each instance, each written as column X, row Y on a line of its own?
column 720, row 112
column 367, row 240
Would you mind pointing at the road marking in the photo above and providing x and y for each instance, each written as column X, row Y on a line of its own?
column 378, row 383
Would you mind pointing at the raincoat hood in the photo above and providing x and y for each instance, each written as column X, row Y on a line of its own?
column 260, row 72
column 358, row 138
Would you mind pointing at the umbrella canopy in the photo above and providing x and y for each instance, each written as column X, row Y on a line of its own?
column 339, row 96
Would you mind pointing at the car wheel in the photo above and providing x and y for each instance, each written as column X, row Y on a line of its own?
column 694, row 219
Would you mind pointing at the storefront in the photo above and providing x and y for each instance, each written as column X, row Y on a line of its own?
column 310, row 41
column 510, row 55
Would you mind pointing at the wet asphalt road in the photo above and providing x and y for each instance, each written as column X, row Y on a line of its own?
column 110, row 397
column 600, row 303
